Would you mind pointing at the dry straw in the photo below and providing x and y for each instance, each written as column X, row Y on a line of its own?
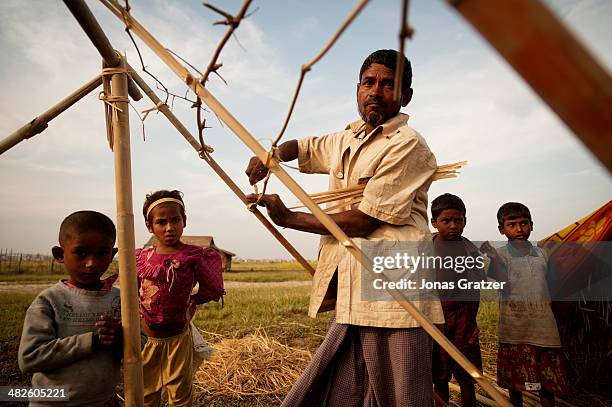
column 255, row 365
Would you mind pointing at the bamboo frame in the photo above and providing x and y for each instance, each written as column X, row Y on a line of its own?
column 294, row 187
column 130, row 319
column 40, row 123
column 558, row 67
column 163, row 108
column 88, row 22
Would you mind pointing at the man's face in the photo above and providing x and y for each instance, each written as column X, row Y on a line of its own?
column 86, row 257
column 375, row 96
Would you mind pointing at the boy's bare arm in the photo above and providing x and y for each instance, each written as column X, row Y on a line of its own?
column 40, row 349
column 497, row 267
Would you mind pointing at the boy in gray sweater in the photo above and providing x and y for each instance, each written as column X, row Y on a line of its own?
column 72, row 332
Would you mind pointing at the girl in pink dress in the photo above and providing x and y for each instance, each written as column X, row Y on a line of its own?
column 167, row 274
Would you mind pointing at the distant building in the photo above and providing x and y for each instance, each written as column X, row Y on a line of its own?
column 202, row 241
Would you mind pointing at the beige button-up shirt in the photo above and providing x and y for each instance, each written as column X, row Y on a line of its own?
column 396, row 164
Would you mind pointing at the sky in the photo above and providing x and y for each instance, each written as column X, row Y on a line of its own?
column 468, row 103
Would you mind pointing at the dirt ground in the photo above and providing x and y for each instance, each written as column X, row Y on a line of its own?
column 36, row 287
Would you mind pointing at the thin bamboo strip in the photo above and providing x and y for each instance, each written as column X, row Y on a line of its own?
column 444, row 171
column 337, row 197
column 237, row 128
column 349, row 189
column 130, row 319
column 484, row 400
column 343, row 204
column 163, row 108
column 40, row 123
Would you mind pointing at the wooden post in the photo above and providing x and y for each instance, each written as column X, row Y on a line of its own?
column 130, row 320
column 19, row 263
column 10, row 260
column 88, row 22
column 558, row 67
column 295, row 188
column 218, row 170
column 40, row 123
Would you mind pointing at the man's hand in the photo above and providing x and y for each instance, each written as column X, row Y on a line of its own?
column 277, row 211
column 110, row 334
column 256, row 171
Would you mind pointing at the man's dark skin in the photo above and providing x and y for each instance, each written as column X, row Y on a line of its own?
column 376, row 106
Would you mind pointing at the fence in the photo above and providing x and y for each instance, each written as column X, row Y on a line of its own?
column 16, row 262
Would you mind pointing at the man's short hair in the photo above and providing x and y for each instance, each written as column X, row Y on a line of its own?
column 446, row 201
column 86, row 221
column 512, row 210
column 388, row 58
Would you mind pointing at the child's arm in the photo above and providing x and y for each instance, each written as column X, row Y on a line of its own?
column 209, row 275
column 40, row 349
column 497, row 268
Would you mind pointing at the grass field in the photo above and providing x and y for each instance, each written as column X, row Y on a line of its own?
column 277, row 312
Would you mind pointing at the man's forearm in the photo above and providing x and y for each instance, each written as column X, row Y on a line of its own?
column 354, row 223
column 288, row 151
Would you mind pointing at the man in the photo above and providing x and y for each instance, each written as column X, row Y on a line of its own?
column 362, row 362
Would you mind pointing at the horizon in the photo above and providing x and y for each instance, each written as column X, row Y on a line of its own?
column 468, row 104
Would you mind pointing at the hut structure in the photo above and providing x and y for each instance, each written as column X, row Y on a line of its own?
column 202, row 241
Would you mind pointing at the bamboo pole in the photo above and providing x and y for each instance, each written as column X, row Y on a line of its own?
column 295, row 188
column 88, row 22
column 40, row 123
column 130, row 320
column 162, row 107
column 558, row 67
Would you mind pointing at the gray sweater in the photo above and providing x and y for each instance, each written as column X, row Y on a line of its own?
column 56, row 344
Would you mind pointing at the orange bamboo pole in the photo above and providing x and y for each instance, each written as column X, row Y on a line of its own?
column 218, row 170
column 130, row 319
column 40, row 123
column 295, row 188
column 558, row 67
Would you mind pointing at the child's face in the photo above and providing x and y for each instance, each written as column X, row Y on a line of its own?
column 167, row 224
column 516, row 229
column 86, row 257
column 450, row 224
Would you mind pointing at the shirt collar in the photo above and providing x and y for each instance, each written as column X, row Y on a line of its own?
column 388, row 128
column 515, row 253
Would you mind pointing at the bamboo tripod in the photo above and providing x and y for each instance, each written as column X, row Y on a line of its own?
column 236, row 127
column 587, row 112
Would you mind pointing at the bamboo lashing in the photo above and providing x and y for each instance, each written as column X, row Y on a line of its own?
column 130, row 319
column 165, row 110
column 92, row 29
column 40, row 123
column 237, row 128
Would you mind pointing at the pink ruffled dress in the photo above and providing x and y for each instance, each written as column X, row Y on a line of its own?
column 167, row 280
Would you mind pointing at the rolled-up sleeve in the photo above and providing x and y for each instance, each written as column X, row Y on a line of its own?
column 405, row 167
column 315, row 153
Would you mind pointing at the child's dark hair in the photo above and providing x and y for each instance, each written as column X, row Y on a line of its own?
column 446, row 201
column 512, row 210
column 86, row 221
column 164, row 193
column 388, row 58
